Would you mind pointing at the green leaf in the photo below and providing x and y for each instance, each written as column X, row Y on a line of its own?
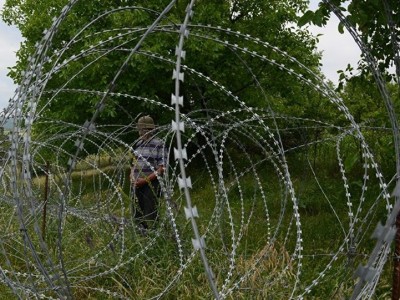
column 320, row 17
column 306, row 18
column 341, row 27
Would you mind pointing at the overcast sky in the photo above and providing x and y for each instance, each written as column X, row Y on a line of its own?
column 10, row 38
column 338, row 50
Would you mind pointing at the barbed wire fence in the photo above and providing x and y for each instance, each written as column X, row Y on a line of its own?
column 81, row 242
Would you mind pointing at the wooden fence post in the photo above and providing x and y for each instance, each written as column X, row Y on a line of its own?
column 46, row 192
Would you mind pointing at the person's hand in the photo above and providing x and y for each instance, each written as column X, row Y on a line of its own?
column 140, row 182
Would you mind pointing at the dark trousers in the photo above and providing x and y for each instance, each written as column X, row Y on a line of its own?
column 146, row 212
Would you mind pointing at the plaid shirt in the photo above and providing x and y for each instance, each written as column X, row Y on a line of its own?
column 149, row 155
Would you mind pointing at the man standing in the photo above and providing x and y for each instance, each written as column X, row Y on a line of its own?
column 148, row 165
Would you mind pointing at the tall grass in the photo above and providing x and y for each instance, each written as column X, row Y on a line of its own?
column 251, row 237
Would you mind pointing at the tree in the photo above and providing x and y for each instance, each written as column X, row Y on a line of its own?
column 375, row 21
column 374, row 25
column 95, row 53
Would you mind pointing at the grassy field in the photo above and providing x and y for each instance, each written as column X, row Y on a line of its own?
column 253, row 244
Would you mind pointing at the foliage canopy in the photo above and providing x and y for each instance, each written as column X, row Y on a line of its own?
column 92, row 43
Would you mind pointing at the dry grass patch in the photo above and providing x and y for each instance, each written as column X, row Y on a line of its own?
column 266, row 273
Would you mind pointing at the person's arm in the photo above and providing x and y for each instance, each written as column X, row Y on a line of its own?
column 153, row 176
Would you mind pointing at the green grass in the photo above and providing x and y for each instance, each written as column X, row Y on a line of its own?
column 256, row 223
